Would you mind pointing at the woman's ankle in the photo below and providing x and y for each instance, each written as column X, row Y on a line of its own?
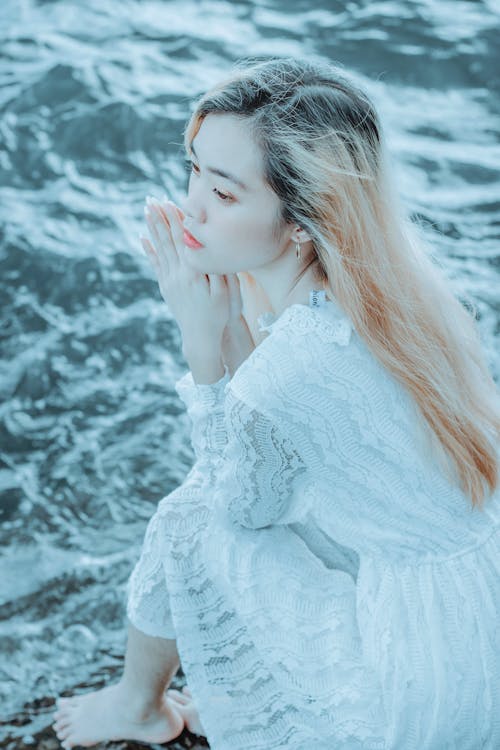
column 140, row 703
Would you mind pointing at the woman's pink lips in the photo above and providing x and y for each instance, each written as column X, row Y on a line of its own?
column 191, row 241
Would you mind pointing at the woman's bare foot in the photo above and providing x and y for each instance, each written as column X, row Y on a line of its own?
column 108, row 714
column 187, row 709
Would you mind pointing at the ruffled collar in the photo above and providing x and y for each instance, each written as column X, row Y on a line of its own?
column 327, row 318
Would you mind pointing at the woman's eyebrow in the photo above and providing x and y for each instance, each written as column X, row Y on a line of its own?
column 219, row 172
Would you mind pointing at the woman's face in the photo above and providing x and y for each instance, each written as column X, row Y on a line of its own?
column 229, row 208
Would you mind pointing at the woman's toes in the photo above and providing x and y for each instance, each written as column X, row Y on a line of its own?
column 64, row 709
column 62, row 714
column 186, row 690
column 58, row 725
column 61, row 701
column 63, row 733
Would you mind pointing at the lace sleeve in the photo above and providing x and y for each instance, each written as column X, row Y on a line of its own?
column 205, row 407
column 148, row 605
column 148, row 596
column 262, row 477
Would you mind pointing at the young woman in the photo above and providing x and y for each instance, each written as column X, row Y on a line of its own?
column 328, row 573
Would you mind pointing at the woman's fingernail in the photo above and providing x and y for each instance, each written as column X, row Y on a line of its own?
column 146, row 211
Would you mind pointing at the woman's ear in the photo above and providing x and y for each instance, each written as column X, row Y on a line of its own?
column 301, row 235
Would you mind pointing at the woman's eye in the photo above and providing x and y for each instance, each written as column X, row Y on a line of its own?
column 222, row 196
column 191, row 166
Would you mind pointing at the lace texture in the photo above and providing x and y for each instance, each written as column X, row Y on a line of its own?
column 148, row 600
column 265, row 476
column 327, row 586
column 329, row 330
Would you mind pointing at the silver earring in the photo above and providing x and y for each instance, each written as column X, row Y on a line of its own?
column 297, row 249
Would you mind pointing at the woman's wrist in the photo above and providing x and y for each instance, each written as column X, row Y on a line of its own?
column 205, row 369
column 233, row 328
column 237, row 343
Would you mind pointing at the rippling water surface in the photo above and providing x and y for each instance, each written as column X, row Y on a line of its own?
column 93, row 99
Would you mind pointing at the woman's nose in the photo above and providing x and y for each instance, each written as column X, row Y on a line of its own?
column 193, row 207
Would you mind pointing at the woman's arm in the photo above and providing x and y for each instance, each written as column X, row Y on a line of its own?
column 207, row 367
column 262, row 479
column 237, row 344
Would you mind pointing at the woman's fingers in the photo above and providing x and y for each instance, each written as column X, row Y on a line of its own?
column 180, row 212
column 198, row 301
column 153, row 230
column 176, row 227
column 214, row 280
column 233, row 284
column 166, row 227
column 150, row 252
column 217, row 284
column 235, row 298
column 160, row 231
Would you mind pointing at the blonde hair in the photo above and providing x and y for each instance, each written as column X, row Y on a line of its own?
column 325, row 158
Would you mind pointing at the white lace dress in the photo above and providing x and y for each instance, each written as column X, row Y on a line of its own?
column 328, row 588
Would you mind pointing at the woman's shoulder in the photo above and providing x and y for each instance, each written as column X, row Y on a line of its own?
column 303, row 339
column 326, row 320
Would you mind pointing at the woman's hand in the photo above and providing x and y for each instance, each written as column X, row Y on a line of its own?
column 202, row 304
column 235, row 299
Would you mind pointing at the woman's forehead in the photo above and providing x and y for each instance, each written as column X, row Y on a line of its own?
column 226, row 143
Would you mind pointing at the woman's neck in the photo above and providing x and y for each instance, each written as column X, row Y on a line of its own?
column 256, row 301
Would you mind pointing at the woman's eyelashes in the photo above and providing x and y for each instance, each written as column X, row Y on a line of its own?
column 194, row 169
column 222, row 196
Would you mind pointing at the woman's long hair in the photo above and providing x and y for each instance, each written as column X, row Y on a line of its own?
column 326, row 160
